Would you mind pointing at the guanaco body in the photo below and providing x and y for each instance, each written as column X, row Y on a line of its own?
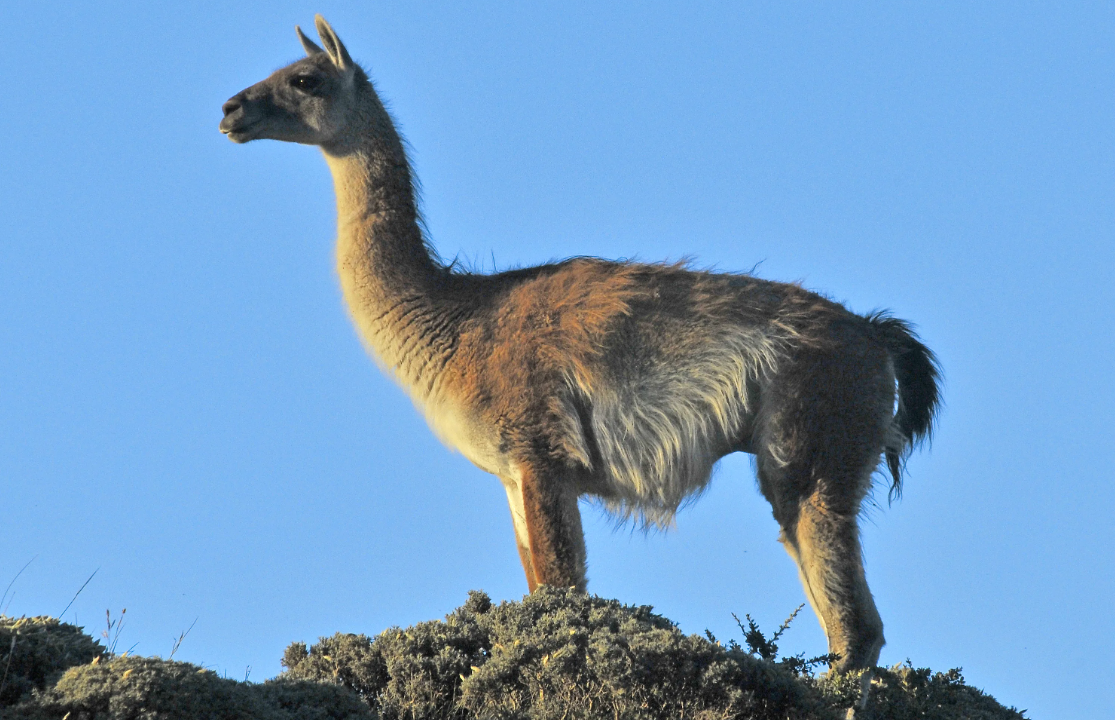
column 618, row 380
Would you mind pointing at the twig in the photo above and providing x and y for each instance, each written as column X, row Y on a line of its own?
column 785, row 625
column 78, row 593
column 5, row 595
column 181, row 637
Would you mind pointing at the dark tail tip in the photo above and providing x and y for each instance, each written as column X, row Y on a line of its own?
column 919, row 396
column 894, row 464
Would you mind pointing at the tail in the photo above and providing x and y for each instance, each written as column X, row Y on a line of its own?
column 919, row 399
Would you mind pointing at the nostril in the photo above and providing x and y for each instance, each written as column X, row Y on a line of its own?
column 231, row 106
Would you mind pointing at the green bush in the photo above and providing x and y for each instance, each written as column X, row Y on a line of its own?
column 35, row 651
column 904, row 692
column 564, row 654
column 557, row 654
column 138, row 688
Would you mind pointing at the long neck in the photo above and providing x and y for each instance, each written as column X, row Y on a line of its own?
column 394, row 289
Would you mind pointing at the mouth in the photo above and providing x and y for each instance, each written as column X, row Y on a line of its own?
column 237, row 132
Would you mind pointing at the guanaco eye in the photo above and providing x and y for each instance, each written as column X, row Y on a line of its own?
column 305, row 83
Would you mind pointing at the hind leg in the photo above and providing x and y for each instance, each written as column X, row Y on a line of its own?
column 825, row 422
column 817, row 511
column 825, row 545
column 821, row 440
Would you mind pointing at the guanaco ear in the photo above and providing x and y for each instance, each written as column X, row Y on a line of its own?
column 333, row 44
column 311, row 47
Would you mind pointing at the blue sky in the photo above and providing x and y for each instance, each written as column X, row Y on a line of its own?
column 185, row 408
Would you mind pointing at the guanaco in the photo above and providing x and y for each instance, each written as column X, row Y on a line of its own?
column 622, row 381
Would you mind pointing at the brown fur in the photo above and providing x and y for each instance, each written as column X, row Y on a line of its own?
column 617, row 380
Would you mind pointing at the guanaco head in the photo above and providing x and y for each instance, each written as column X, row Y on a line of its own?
column 310, row 101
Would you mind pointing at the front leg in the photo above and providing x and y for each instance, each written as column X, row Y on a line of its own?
column 547, row 527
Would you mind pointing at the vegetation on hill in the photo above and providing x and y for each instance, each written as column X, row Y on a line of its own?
column 35, row 651
column 556, row 654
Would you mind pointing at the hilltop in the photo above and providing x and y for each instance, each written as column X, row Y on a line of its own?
column 556, row 654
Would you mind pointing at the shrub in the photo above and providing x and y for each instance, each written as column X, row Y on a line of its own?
column 131, row 688
column 904, row 692
column 564, row 654
column 557, row 654
column 35, row 651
